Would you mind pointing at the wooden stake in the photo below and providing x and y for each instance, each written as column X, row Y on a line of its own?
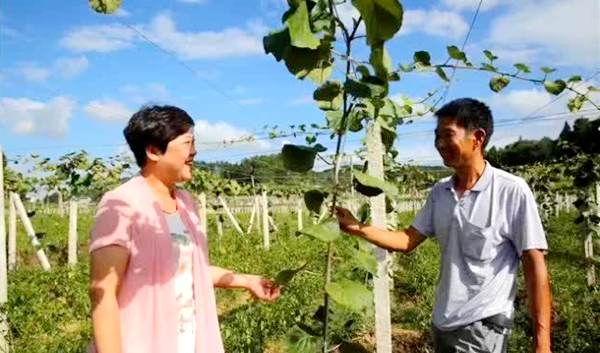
column 230, row 215
column 41, row 255
column 383, row 325
column 300, row 208
column 265, row 220
column 203, row 219
column 255, row 210
column 3, row 272
column 12, row 236
column 72, row 233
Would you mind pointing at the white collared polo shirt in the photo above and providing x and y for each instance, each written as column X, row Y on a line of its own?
column 481, row 237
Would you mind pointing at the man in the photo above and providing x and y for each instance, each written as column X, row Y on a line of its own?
column 485, row 220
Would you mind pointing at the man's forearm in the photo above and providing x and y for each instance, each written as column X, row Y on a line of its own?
column 399, row 240
column 540, row 299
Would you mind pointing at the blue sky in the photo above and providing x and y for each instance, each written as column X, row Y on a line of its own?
column 70, row 78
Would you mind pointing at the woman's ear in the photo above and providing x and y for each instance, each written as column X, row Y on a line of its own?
column 153, row 153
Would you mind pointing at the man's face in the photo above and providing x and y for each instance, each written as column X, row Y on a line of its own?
column 457, row 146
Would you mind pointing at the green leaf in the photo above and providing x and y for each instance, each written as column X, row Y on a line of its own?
column 371, row 186
column 366, row 260
column 355, row 120
column 555, row 87
column 329, row 95
column 299, row 26
column 350, row 294
column 442, row 74
column 105, row 6
column 284, row 277
column 383, row 19
column 316, row 64
column 547, row 70
column 381, row 61
column 488, row 54
column 314, row 200
column 523, row 68
column 335, row 120
column 576, row 103
column 300, row 158
column 328, row 230
column 575, row 78
column 357, row 89
column 277, row 43
column 456, row 53
column 422, row 57
column 488, row 67
column 498, row 83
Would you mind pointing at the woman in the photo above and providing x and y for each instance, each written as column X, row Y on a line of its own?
column 151, row 283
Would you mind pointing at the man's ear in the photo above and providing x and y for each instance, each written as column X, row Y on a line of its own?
column 479, row 136
column 153, row 153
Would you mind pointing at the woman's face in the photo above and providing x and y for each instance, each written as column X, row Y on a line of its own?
column 177, row 161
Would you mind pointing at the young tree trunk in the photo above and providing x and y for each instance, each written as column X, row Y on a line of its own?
column 72, row 260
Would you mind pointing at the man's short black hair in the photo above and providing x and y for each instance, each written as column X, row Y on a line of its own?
column 470, row 114
column 155, row 125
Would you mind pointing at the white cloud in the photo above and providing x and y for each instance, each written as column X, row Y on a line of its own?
column 441, row 23
column 348, row 14
column 102, row 38
column 27, row 116
column 121, row 12
column 33, row 73
column 303, row 100
column 518, row 103
column 71, row 67
column 471, row 4
column 230, row 42
column 250, row 101
column 559, row 32
column 107, row 110
column 142, row 94
column 214, row 136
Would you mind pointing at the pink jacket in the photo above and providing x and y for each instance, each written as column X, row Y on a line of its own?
column 130, row 217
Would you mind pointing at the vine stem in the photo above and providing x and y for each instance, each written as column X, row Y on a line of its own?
column 348, row 37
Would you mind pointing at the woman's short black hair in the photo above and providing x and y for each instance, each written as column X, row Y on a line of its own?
column 155, row 125
column 470, row 114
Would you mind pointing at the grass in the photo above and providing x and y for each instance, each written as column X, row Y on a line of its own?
column 49, row 312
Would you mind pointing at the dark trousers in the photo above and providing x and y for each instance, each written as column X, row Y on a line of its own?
column 477, row 337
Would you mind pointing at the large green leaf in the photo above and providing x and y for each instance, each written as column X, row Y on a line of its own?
column 350, row 294
column 523, row 68
column 105, row 6
column 300, row 158
column 335, row 121
column 555, row 87
column 316, row 64
column 299, row 26
column 328, row 230
column 383, row 19
column 366, row 260
column 284, row 277
column 314, row 200
column 498, row 83
column 329, row 95
column 368, row 87
column 371, row 186
column 381, row 61
column 456, row 53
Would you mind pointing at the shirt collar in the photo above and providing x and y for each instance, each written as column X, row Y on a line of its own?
column 484, row 180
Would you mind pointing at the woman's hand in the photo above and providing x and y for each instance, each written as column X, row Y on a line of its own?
column 262, row 288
